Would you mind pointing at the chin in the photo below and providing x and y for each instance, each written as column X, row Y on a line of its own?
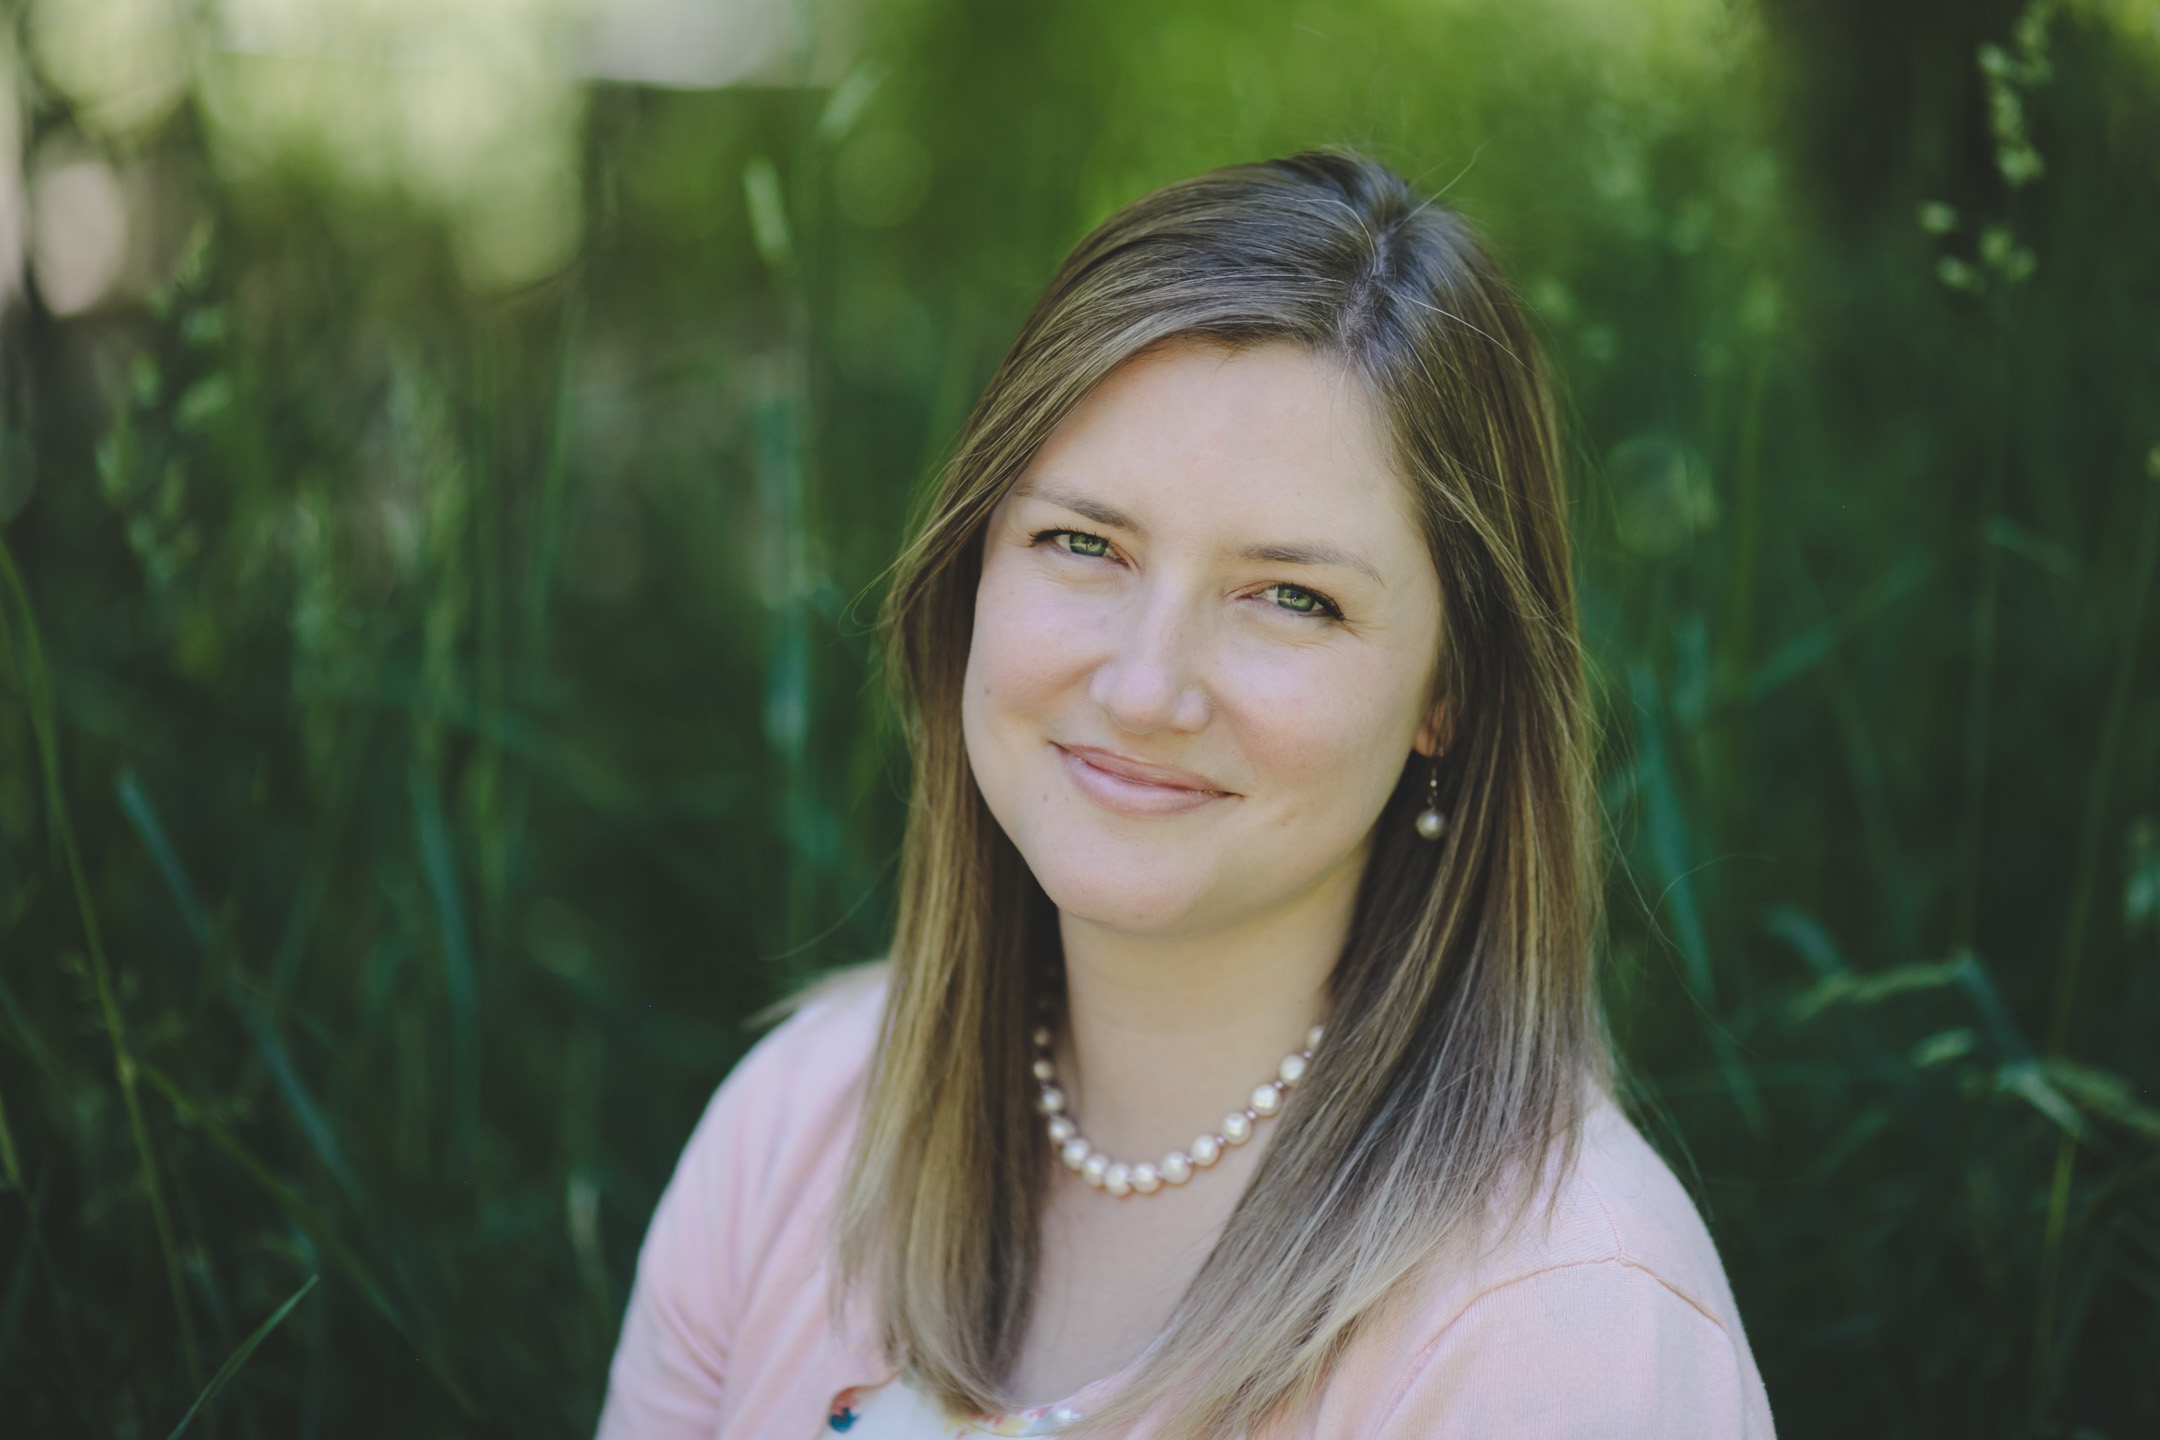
column 1143, row 894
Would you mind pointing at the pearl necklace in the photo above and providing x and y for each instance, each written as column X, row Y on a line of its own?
column 1120, row 1179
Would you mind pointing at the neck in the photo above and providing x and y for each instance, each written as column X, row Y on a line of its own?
column 1165, row 1034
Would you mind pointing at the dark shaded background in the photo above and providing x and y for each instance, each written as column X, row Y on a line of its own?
column 436, row 704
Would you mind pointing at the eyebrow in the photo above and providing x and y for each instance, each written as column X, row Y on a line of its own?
column 1093, row 510
column 1317, row 553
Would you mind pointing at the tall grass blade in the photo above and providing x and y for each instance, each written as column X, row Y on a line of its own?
column 2100, row 798
column 2103, row 789
column 239, row 1357
column 136, row 806
column 318, row 1230
column 10, row 1165
column 135, row 801
column 1676, row 871
column 440, row 867
column 21, row 627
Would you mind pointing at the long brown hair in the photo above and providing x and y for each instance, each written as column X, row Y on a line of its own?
column 1463, row 1034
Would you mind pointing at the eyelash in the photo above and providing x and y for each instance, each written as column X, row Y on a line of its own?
column 1323, row 605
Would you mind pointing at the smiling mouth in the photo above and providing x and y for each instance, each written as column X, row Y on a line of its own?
column 1126, row 786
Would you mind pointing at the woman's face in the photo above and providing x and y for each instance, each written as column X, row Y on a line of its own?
column 1204, row 641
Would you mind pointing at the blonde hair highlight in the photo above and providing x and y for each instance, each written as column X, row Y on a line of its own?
column 1464, row 1036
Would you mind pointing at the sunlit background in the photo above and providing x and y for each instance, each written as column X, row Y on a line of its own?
column 449, row 450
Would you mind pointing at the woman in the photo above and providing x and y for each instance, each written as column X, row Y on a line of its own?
column 1251, row 781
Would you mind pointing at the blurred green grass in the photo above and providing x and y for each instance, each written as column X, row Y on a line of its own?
column 436, row 712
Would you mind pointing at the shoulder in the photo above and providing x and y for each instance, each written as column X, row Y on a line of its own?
column 1617, row 1210
column 1623, row 1206
column 799, row 1088
column 822, row 1049
column 727, row 1285
column 1605, row 1311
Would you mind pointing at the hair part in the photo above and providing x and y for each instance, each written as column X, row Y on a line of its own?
column 1463, row 1037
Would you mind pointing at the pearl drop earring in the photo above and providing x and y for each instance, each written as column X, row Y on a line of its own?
column 1432, row 824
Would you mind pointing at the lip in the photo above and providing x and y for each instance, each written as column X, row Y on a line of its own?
column 1125, row 786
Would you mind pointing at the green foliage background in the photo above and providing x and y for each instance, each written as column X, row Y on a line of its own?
column 435, row 719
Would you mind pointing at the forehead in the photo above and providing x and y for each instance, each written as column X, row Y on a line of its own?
column 1239, row 439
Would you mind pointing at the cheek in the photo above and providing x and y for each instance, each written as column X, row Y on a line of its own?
column 1332, row 733
column 1019, row 656
column 1027, row 660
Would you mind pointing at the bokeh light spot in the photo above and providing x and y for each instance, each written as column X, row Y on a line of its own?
column 123, row 63
column 78, row 233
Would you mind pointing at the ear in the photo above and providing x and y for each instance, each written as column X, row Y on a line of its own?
column 1436, row 735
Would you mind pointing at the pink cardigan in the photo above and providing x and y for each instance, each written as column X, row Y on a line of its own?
column 1613, row 1319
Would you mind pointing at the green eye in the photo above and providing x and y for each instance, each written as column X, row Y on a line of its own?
column 1081, row 544
column 1302, row 602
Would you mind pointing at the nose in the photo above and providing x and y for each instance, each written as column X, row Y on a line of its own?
column 1151, row 681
